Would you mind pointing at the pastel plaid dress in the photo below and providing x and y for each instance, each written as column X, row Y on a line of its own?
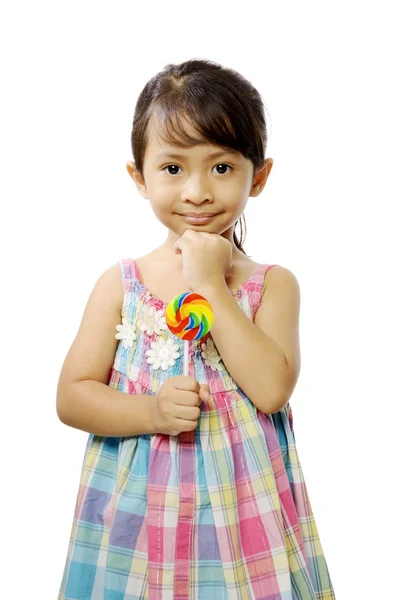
column 220, row 513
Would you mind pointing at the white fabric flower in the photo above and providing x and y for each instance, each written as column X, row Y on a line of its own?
column 151, row 320
column 163, row 353
column 126, row 333
column 211, row 355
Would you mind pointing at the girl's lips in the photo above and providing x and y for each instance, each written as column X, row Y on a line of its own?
column 197, row 220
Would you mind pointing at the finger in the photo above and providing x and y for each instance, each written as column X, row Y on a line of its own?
column 187, row 398
column 204, row 394
column 188, row 413
column 185, row 382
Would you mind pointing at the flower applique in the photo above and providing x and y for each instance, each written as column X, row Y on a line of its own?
column 151, row 320
column 163, row 353
column 126, row 333
column 211, row 355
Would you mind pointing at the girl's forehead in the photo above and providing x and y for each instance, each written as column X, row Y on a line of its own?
column 209, row 151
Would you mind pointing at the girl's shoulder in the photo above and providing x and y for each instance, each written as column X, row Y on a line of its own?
column 276, row 275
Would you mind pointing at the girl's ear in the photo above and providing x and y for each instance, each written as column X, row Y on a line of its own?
column 261, row 177
column 137, row 178
column 130, row 167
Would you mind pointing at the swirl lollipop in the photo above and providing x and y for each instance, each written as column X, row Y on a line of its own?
column 189, row 316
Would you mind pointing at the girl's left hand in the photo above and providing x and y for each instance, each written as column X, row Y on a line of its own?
column 206, row 258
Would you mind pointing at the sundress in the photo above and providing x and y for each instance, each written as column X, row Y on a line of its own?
column 219, row 513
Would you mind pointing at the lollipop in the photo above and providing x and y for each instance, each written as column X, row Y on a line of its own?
column 189, row 316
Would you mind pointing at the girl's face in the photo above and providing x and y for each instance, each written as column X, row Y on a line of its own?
column 180, row 180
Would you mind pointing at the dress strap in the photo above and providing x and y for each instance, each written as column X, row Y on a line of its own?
column 259, row 273
column 255, row 285
column 128, row 269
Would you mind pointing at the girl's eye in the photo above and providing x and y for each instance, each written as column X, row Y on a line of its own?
column 176, row 167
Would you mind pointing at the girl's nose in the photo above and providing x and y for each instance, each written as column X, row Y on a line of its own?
column 197, row 190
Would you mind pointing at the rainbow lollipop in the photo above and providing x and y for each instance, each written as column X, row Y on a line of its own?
column 189, row 316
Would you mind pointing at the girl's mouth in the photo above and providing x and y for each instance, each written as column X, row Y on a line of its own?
column 197, row 220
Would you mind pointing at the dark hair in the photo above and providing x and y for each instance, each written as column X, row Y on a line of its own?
column 221, row 104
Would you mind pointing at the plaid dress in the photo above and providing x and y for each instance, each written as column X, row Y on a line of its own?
column 219, row 513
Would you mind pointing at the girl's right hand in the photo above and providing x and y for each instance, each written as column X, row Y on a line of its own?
column 176, row 407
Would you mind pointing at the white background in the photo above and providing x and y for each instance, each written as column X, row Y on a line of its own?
column 328, row 73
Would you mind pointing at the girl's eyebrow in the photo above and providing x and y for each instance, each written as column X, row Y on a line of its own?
column 180, row 156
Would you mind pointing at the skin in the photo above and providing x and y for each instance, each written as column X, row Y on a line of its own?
column 197, row 183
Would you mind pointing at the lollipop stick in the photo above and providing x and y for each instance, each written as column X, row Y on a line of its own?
column 185, row 357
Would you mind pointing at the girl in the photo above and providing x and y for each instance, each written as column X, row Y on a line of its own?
column 191, row 486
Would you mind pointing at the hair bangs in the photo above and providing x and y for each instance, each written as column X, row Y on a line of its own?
column 185, row 124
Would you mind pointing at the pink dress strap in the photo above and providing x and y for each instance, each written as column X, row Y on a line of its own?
column 128, row 268
column 250, row 291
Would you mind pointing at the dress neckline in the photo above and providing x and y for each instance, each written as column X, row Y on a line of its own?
column 237, row 292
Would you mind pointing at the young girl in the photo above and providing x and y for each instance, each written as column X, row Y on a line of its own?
column 191, row 486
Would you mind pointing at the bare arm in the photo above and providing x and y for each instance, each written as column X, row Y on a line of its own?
column 262, row 357
column 84, row 398
column 97, row 408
